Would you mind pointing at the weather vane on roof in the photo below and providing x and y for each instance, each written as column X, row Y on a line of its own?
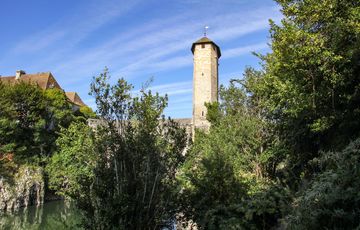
column 205, row 30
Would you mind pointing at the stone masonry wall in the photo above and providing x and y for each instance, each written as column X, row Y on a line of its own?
column 205, row 82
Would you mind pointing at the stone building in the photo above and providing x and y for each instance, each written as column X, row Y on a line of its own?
column 205, row 79
column 205, row 83
column 45, row 81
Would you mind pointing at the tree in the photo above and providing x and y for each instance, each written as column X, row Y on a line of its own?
column 29, row 120
column 227, row 174
column 311, row 79
column 71, row 169
column 137, row 154
column 87, row 112
column 310, row 83
column 267, row 134
column 331, row 201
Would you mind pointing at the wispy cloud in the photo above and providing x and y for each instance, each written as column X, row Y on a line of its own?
column 237, row 51
column 170, row 89
column 70, row 31
column 151, row 63
column 39, row 41
column 140, row 42
column 138, row 50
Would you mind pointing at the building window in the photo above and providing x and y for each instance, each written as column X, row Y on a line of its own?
column 202, row 113
column 202, row 45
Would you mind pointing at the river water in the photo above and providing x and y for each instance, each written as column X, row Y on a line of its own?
column 55, row 215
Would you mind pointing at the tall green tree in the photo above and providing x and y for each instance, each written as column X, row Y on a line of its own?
column 228, row 173
column 311, row 81
column 138, row 153
column 30, row 118
column 71, row 168
column 303, row 102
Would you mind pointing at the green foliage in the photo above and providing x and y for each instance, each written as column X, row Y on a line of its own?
column 71, row 168
column 87, row 112
column 311, row 78
column 29, row 120
column 58, row 109
column 259, row 210
column 310, row 85
column 227, row 174
column 213, row 114
column 22, row 115
column 267, row 133
column 278, row 128
column 136, row 152
column 332, row 200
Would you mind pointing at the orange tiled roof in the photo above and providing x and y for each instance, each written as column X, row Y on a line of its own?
column 44, row 80
column 74, row 98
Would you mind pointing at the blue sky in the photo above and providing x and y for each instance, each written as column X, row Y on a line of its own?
column 135, row 39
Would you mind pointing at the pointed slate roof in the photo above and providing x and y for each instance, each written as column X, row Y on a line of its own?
column 205, row 40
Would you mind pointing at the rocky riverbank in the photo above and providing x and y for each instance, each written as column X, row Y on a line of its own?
column 26, row 187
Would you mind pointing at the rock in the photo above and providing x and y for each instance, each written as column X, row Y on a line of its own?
column 25, row 188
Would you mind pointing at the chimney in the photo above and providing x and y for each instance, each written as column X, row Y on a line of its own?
column 19, row 73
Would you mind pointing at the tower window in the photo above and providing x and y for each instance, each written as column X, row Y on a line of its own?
column 202, row 113
column 202, row 45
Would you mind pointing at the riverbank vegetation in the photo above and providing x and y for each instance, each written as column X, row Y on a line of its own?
column 122, row 175
column 282, row 151
column 30, row 122
column 31, row 119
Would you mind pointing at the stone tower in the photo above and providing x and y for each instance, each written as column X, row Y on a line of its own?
column 205, row 83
